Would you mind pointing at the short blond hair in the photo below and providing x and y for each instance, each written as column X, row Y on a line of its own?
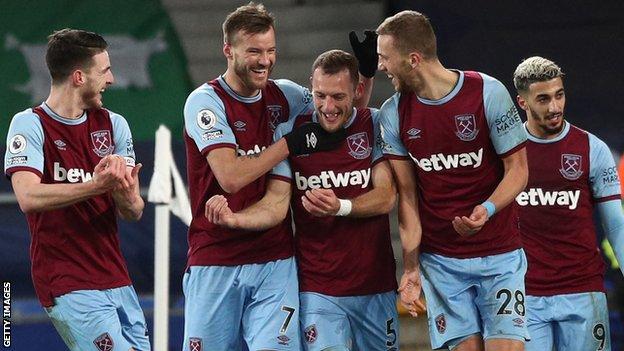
column 535, row 69
column 251, row 18
column 411, row 31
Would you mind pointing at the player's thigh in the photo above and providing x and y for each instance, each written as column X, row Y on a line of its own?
column 213, row 308
column 324, row 324
column 451, row 310
column 131, row 317
column 539, row 323
column 501, row 297
column 472, row 342
column 374, row 321
column 271, row 318
column 86, row 319
column 583, row 323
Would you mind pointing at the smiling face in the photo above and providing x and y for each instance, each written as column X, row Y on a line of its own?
column 393, row 64
column 251, row 57
column 96, row 79
column 544, row 103
column 333, row 96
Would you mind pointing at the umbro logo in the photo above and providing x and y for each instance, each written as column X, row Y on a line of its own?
column 60, row 144
column 240, row 125
column 414, row 133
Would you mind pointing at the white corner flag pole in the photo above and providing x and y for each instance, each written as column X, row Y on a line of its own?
column 160, row 194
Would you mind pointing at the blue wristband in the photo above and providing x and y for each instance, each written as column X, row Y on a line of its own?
column 489, row 207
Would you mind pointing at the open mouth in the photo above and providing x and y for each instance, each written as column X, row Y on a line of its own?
column 554, row 118
column 260, row 71
column 331, row 117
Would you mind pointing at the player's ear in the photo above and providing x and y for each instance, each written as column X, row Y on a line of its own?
column 227, row 50
column 359, row 89
column 522, row 102
column 77, row 77
column 414, row 59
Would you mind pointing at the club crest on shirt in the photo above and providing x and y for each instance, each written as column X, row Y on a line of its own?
column 359, row 146
column 310, row 334
column 275, row 115
column 195, row 344
column 102, row 143
column 466, row 127
column 571, row 166
column 440, row 322
column 104, row 342
column 17, row 144
column 206, row 119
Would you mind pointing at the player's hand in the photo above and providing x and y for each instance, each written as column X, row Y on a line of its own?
column 410, row 290
column 467, row 226
column 109, row 173
column 218, row 212
column 320, row 202
column 311, row 137
column 366, row 52
column 127, row 189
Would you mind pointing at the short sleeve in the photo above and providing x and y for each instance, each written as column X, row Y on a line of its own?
column 506, row 130
column 124, row 145
column 205, row 120
column 299, row 98
column 282, row 169
column 24, row 149
column 389, row 128
column 603, row 175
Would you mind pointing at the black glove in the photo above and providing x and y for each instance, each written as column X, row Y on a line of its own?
column 365, row 51
column 311, row 137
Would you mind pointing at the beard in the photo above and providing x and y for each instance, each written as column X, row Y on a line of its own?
column 245, row 74
column 91, row 99
column 544, row 126
column 406, row 83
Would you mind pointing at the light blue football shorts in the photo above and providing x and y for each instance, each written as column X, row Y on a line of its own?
column 251, row 306
column 570, row 322
column 100, row 320
column 368, row 322
column 482, row 295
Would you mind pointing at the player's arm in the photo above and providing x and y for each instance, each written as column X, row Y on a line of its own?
column 514, row 181
column 127, row 195
column 264, row 214
column 410, row 231
column 379, row 200
column 612, row 220
column 233, row 172
column 605, row 187
column 509, row 144
column 366, row 53
column 34, row 196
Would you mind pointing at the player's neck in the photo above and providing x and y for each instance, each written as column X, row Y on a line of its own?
column 436, row 81
column 65, row 102
column 237, row 85
column 540, row 133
